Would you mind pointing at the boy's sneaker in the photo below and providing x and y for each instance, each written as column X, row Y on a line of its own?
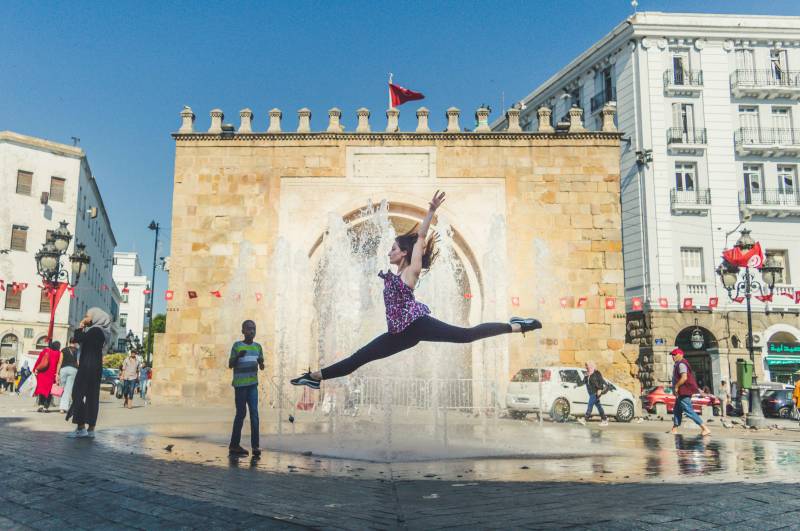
column 90, row 434
column 256, row 452
column 604, row 422
column 581, row 421
column 237, row 451
column 78, row 434
column 305, row 379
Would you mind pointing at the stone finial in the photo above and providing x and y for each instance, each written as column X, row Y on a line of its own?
column 576, row 120
column 304, row 120
column 334, row 120
column 452, row 120
column 422, row 120
column 392, row 119
column 274, row 121
column 187, row 120
column 216, row 121
column 608, row 112
column 512, row 121
column 246, row 123
column 545, row 113
column 363, row 120
column 482, row 118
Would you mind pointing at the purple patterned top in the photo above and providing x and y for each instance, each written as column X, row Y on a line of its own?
column 401, row 307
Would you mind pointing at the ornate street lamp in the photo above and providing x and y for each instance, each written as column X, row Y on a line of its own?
column 745, row 284
column 55, row 277
column 149, row 347
column 134, row 343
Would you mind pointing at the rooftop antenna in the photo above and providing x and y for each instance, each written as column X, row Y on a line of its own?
column 75, row 140
column 634, row 5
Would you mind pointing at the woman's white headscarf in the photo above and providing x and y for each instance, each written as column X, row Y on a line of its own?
column 101, row 320
column 590, row 366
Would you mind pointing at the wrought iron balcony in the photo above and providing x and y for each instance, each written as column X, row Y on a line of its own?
column 766, row 83
column 686, row 141
column 686, row 82
column 601, row 98
column 775, row 203
column 690, row 201
column 767, row 141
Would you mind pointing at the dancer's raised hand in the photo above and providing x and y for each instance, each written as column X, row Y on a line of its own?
column 436, row 202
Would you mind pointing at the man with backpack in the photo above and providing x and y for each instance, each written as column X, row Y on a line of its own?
column 684, row 385
column 596, row 386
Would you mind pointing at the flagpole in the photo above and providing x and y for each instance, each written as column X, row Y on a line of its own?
column 390, row 90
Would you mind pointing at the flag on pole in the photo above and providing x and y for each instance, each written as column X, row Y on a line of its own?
column 169, row 295
column 399, row 95
column 611, row 303
column 688, row 303
column 663, row 302
column 636, row 303
column 752, row 258
column 192, row 294
column 713, row 302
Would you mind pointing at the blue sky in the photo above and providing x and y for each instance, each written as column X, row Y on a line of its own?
column 116, row 74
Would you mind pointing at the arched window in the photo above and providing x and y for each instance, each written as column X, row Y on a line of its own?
column 42, row 343
column 8, row 346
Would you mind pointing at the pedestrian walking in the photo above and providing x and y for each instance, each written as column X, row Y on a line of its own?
column 595, row 386
column 67, row 369
column 684, row 385
column 8, row 374
column 129, row 376
column 246, row 359
column 724, row 398
column 45, row 369
column 93, row 335
column 408, row 320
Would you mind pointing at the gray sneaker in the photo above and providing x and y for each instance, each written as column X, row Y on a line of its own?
column 90, row 434
column 78, row 434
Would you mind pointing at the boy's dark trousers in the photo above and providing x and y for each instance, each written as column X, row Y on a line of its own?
column 246, row 398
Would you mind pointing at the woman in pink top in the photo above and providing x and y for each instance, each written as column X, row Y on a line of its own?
column 408, row 320
column 45, row 369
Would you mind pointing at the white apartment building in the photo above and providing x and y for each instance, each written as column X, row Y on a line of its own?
column 708, row 108
column 41, row 184
column 132, row 285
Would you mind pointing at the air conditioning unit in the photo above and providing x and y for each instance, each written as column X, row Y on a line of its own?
column 758, row 340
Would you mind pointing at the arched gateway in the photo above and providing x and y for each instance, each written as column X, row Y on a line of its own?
column 291, row 227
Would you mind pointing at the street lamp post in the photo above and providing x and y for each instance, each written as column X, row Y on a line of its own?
column 134, row 344
column 55, row 277
column 149, row 351
column 745, row 285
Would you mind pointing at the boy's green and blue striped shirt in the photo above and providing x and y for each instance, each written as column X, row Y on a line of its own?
column 245, row 369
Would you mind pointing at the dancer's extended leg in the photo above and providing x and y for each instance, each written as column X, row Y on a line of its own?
column 430, row 329
column 381, row 347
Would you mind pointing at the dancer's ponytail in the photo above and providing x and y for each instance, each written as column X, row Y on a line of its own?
column 407, row 241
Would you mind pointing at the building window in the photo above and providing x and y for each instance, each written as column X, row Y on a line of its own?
column 753, row 178
column 683, row 118
column 57, row 189
column 44, row 302
column 685, row 176
column 782, row 258
column 8, row 346
column 782, row 124
column 124, row 298
column 680, row 65
column 778, row 66
column 13, row 300
column 123, row 320
column 42, row 343
column 19, row 238
column 744, row 60
column 24, row 182
column 692, row 262
column 122, row 345
column 29, row 333
column 787, row 179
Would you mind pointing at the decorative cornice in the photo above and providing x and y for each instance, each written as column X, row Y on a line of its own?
column 382, row 137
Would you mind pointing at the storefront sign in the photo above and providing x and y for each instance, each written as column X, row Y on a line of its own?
column 783, row 348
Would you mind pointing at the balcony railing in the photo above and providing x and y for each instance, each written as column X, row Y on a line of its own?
column 603, row 97
column 770, row 197
column 677, row 135
column 765, row 78
column 701, row 196
column 767, row 136
column 692, row 78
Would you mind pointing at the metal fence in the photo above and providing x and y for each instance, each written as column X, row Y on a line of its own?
column 774, row 77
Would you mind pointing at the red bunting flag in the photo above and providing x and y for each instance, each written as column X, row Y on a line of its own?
column 125, row 288
column 17, row 287
column 765, row 298
column 688, row 303
column 216, row 293
column 611, row 303
column 258, row 297
column 399, row 95
column 468, row 296
column 713, row 302
column 752, row 258
column 147, row 291
column 797, row 297
column 71, row 291
column 738, row 299
column 564, row 302
column 192, row 294
column 663, row 302
column 514, row 301
column 636, row 303
column 787, row 295
column 582, row 302
column 169, row 295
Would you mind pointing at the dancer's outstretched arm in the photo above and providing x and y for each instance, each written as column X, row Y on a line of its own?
column 411, row 274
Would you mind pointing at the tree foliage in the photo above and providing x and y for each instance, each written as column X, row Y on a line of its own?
column 113, row 361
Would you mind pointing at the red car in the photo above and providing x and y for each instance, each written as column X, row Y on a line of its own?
column 663, row 395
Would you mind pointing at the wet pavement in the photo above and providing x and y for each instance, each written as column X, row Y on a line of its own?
column 158, row 467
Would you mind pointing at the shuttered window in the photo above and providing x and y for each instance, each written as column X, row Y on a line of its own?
column 44, row 302
column 19, row 238
column 692, row 262
column 57, row 189
column 13, row 300
column 24, row 182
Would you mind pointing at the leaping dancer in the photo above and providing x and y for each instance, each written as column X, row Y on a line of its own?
column 409, row 321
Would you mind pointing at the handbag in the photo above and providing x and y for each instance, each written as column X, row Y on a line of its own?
column 43, row 365
column 57, row 390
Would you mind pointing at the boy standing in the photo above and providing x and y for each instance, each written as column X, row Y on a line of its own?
column 245, row 360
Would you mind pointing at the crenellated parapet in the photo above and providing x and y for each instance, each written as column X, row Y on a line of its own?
column 248, row 125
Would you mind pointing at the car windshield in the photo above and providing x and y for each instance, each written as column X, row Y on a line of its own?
column 526, row 375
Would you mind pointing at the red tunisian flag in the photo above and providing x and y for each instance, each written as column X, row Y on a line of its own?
column 752, row 258
column 399, row 95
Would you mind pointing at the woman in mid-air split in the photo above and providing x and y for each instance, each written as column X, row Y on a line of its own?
column 410, row 321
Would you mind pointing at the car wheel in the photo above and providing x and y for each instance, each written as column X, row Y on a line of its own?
column 519, row 415
column 784, row 412
column 625, row 411
column 560, row 410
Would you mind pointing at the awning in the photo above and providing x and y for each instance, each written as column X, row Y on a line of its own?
column 777, row 359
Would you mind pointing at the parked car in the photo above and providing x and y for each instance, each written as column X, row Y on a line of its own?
column 662, row 394
column 561, row 395
column 110, row 379
column 777, row 403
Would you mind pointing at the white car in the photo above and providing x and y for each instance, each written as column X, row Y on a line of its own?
column 560, row 394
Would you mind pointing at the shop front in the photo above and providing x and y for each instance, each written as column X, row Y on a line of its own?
column 782, row 358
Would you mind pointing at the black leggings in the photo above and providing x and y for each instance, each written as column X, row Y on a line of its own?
column 423, row 329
